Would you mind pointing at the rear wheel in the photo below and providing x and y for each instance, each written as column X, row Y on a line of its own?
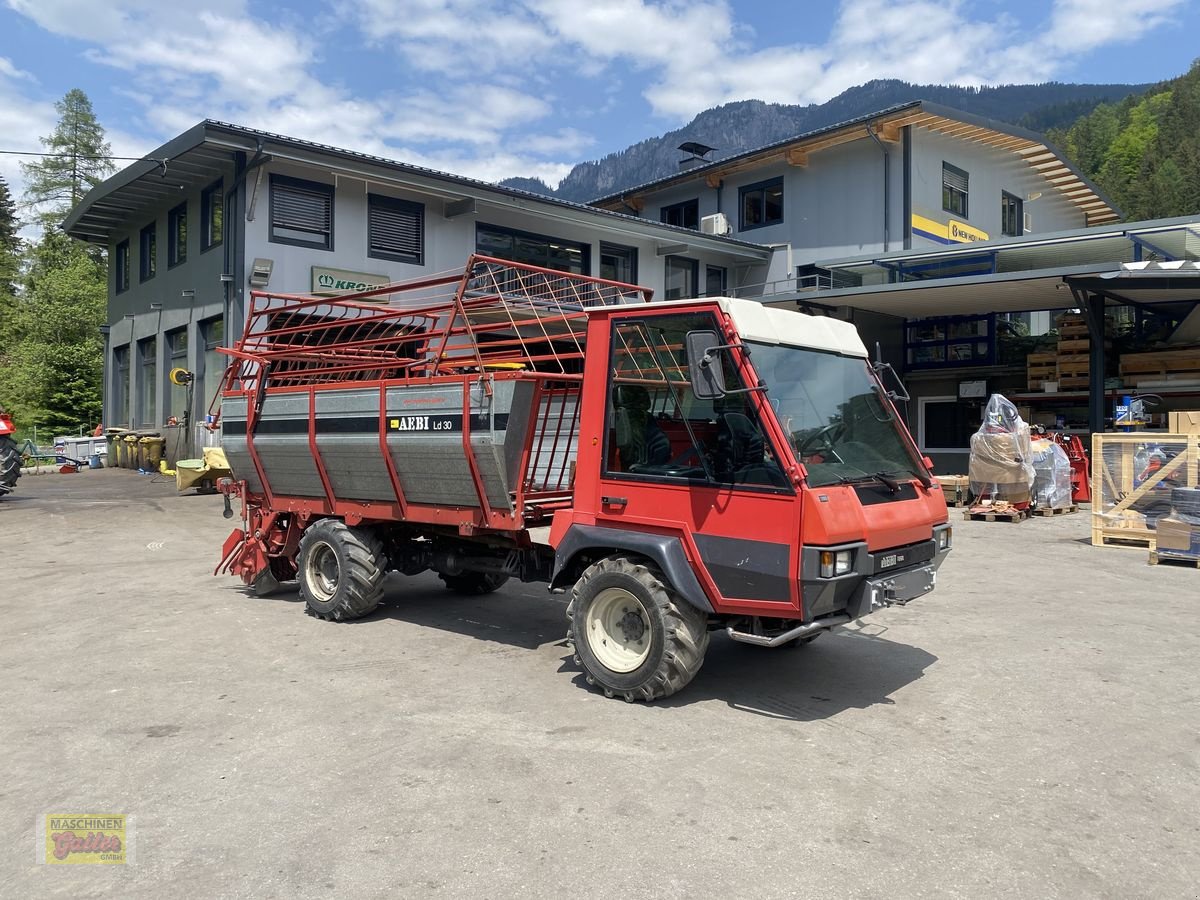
column 341, row 570
column 10, row 464
column 475, row 583
column 633, row 635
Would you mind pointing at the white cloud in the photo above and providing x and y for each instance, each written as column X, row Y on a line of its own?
column 494, row 88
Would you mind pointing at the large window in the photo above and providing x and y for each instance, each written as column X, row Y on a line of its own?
column 395, row 229
column 120, row 414
column 533, row 249
column 147, row 379
column 1012, row 215
column 301, row 212
column 762, row 204
column 681, row 277
column 148, row 252
column 177, row 347
column 212, row 332
column 121, row 266
column 212, row 216
column 658, row 429
column 947, row 423
column 685, row 214
column 618, row 263
column 177, row 235
column 954, row 190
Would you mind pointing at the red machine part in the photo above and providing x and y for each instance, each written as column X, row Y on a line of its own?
column 1081, row 473
column 6, row 424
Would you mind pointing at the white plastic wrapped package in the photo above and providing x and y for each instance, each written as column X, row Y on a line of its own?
column 1001, row 466
column 1051, row 475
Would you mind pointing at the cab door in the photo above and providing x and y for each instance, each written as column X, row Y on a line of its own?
column 705, row 471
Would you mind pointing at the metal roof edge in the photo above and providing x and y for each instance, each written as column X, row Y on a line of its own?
column 1093, row 232
column 181, row 143
column 832, row 295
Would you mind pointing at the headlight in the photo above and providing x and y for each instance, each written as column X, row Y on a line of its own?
column 835, row 563
column 943, row 539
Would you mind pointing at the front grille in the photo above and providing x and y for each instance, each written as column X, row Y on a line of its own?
column 902, row 557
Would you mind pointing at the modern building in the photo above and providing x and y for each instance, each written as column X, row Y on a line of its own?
column 221, row 210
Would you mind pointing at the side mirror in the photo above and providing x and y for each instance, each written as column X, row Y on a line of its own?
column 704, row 365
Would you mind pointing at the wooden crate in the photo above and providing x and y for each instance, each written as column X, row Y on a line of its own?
column 1078, row 364
column 955, row 488
column 1161, row 365
column 1184, row 421
column 1040, row 368
column 1115, row 485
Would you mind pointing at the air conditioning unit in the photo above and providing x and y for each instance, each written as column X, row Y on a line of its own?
column 717, row 223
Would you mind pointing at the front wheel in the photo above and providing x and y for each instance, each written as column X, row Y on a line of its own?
column 633, row 635
column 340, row 570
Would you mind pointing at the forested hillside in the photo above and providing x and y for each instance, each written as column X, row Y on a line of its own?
column 1144, row 151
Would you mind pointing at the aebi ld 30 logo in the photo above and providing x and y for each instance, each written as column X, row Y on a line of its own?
column 76, row 839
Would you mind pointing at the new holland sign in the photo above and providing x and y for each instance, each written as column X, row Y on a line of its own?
column 952, row 232
column 330, row 282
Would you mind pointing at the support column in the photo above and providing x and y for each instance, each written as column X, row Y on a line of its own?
column 1093, row 310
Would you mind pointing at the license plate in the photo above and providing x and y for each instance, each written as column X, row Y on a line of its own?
column 891, row 560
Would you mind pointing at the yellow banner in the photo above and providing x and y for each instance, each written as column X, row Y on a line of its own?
column 952, row 232
column 91, row 839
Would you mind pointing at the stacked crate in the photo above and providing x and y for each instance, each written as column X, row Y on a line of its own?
column 1039, row 368
column 1074, row 351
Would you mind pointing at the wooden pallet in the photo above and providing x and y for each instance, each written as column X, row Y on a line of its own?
column 1051, row 511
column 1073, row 382
column 984, row 514
column 1187, row 559
column 1129, row 538
column 1074, row 364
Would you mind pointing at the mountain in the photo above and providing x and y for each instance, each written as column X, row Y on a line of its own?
column 736, row 127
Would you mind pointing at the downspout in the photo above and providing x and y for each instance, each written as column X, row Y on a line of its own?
column 887, row 185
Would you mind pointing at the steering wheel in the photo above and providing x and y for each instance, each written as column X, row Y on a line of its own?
column 822, row 438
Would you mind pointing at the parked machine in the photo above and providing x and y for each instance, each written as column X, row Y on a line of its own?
column 677, row 467
column 10, row 455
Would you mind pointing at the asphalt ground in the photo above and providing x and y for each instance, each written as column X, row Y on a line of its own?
column 1030, row 729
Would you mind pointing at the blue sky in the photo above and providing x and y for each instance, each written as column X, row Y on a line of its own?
column 493, row 89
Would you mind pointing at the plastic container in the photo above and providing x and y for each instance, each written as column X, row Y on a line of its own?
column 150, row 451
column 130, row 459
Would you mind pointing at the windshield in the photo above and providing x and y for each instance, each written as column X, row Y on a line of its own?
column 832, row 408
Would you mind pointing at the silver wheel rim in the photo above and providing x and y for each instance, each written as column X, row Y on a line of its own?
column 618, row 630
column 322, row 572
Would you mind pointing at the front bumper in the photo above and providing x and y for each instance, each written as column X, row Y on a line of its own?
column 876, row 580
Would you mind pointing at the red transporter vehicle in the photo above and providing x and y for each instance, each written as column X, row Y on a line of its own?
column 10, row 456
column 678, row 467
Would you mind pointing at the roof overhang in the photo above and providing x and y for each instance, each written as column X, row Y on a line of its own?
column 205, row 152
column 1031, row 148
column 1131, row 283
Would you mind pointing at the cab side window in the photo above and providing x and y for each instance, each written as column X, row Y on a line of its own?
column 656, row 425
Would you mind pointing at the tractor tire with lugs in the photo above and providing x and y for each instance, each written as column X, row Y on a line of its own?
column 10, row 464
column 633, row 635
column 340, row 570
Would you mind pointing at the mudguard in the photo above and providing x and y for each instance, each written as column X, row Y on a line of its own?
column 665, row 551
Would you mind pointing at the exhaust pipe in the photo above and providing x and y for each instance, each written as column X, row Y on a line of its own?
column 761, row 640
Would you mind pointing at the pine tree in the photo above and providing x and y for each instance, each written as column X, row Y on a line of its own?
column 52, row 371
column 78, row 162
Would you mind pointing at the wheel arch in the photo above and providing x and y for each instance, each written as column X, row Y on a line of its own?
column 583, row 544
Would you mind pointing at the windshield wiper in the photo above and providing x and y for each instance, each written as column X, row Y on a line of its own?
column 887, row 479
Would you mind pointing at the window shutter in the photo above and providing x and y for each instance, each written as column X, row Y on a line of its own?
column 301, row 209
column 954, row 178
column 395, row 229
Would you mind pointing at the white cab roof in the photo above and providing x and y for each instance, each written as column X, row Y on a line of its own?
column 769, row 325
